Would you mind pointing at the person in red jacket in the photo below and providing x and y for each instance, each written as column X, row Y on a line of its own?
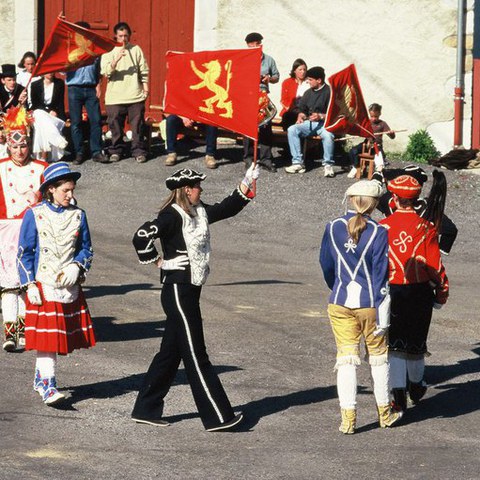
column 418, row 283
column 20, row 179
column 293, row 88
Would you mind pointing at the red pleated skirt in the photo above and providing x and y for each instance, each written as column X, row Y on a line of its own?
column 58, row 327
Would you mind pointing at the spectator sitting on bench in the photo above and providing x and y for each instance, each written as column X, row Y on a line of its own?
column 293, row 88
column 313, row 109
column 378, row 127
column 174, row 125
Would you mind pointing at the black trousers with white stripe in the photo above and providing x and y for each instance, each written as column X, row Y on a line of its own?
column 183, row 339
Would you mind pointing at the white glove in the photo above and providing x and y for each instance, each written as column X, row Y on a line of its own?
column 69, row 275
column 251, row 174
column 33, row 295
column 437, row 306
column 380, row 332
column 177, row 263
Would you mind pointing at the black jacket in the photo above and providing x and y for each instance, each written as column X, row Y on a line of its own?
column 168, row 228
column 4, row 97
column 37, row 97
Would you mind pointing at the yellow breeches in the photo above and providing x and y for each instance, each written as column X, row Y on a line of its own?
column 349, row 325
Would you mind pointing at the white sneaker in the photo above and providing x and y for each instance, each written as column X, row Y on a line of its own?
column 296, row 168
column 328, row 171
column 352, row 173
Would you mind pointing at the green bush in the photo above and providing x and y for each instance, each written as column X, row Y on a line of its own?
column 421, row 148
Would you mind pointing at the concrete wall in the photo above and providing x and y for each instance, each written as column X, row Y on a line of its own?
column 404, row 51
column 18, row 29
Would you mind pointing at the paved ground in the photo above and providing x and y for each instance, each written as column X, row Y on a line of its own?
column 265, row 321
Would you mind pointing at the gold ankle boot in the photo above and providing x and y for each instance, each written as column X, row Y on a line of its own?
column 349, row 421
column 387, row 417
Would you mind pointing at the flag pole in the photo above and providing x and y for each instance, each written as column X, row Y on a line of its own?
column 255, row 145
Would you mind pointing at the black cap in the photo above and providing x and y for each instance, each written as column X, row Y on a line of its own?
column 184, row 178
column 316, row 73
column 417, row 173
column 253, row 37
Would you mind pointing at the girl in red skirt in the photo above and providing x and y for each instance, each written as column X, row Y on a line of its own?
column 54, row 253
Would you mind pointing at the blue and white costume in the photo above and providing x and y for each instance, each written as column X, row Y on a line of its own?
column 357, row 274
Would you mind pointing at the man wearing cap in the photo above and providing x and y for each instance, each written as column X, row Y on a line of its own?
column 11, row 94
column 269, row 74
column 20, row 179
column 418, row 283
column 313, row 110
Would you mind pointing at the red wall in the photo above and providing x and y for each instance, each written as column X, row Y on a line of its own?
column 157, row 26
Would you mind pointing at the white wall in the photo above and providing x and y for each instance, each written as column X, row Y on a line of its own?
column 403, row 51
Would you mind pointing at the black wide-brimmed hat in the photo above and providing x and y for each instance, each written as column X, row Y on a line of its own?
column 418, row 173
column 184, row 178
column 8, row 70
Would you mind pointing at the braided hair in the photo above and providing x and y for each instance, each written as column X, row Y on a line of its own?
column 436, row 199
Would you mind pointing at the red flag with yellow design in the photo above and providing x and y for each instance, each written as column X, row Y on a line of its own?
column 346, row 111
column 218, row 87
column 69, row 47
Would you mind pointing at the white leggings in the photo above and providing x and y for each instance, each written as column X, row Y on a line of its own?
column 45, row 364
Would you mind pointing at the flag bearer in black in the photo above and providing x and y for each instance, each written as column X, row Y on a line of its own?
column 182, row 226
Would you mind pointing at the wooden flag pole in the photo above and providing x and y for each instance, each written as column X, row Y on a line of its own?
column 254, row 185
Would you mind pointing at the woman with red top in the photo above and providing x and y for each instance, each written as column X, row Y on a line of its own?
column 418, row 283
column 292, row 90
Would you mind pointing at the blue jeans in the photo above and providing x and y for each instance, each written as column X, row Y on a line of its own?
column 77, row 98
column 310, row 129
column 175, row 125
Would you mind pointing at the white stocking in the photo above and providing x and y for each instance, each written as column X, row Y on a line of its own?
column 398, row 371
column 380, row 383
column 347, row 385
column 46, row 364
column 21, row 305
column 416, row 369
column 9, row 307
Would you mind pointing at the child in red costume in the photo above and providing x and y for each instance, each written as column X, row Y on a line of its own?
column 418, row 284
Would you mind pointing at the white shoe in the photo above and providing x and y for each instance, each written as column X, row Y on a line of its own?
column 328, row 171
column 352, row 173
column 296, row 168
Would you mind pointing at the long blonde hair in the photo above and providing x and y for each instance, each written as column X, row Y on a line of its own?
column 358, row 223
column 179, row 196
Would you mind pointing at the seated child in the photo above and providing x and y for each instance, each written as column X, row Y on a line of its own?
column 379, row 127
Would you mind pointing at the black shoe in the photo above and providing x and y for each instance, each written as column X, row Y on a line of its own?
column 269, row 166
column 100, row 158
column 399, row 399
column 417, row 391
column 227, row 425
column 78, row 160
column 155, row 423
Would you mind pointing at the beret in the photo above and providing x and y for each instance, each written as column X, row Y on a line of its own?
column 316, row 73
column 364, row 188
column 253, row 37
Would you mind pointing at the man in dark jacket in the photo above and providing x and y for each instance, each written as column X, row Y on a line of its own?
column 11, row 94
column 313, row 110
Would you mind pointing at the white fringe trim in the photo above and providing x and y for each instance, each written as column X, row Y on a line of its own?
column 347, row 360
column 377, row 360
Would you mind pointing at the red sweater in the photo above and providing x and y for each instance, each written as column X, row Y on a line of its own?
column 414, row 255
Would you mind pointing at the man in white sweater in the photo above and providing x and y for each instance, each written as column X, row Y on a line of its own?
column 126, row 70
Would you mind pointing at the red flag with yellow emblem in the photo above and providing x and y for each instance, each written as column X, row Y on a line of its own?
column 69, row 47
column 218, row 87
column 346, row 111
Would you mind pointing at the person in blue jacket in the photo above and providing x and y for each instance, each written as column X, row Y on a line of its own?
column 54, row 254
column 354, row 260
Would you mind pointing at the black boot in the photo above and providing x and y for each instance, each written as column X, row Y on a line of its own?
column 417, row 391
column 399, row 399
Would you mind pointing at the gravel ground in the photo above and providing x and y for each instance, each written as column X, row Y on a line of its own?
column 264, row 308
